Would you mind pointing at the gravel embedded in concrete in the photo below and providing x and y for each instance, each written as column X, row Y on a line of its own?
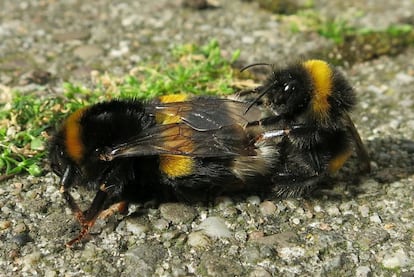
column 358, row 225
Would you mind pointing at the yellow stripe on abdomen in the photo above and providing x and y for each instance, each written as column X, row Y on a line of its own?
column 176, row 166
column 337, row 162
column 166, row 116
column 163, row 118
column 180, row 97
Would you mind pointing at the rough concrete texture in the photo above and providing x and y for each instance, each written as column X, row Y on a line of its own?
column 361, row 226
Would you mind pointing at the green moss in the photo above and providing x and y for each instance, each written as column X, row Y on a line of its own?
column 363, row 45
column 353, row 44
column 335, row 30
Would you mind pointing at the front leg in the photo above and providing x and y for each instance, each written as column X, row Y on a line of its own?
column 86, row 219
column 110, row 185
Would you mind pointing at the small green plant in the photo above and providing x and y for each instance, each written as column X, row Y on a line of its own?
column 335, row 30
column 197, row 70
column 399, row 30
column 28, row 120
column 24, row 126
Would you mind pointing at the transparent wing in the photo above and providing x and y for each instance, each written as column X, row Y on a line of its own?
column 182, row 139
column 360, row 149
column 204, row 114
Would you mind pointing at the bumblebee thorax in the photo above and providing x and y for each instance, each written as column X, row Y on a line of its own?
column 321, row 75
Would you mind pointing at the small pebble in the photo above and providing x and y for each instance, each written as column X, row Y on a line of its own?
column 215, row 227
column 90, row 252
column 267, row 208
column 5, row 224
column 364, row 210
column 170, row 235
column 50, row 273
column 375, row 218
column 363, row 271
column 396, row 259
column 291, row 253
column 254, row 200
column 136, row 228
column 20, row 228
column 241, row 235
column 256, row 235
column 161, row 224
column 317, row 209
column 177, row 212
column 30, row 260
column 333, row 211
column 198, row 240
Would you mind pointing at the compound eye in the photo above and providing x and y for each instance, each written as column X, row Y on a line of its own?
column 289, row 87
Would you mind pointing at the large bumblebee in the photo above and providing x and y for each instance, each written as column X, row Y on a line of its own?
column 308, row 104
column 173, row 149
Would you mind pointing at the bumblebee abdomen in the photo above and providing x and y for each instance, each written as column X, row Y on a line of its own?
column 338, row 161
column 175, row 166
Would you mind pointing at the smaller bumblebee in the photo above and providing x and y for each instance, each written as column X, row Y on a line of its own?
column 173, row 149
column 307, row 104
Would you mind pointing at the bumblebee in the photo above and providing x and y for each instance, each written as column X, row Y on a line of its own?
column 282, row 138
column 310, row 102
column 172, row 149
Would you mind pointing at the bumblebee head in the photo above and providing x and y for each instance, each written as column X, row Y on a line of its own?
column 288, row 91
column 67, row 150
column 61, row 164
column 57, row 157
column 312, row 89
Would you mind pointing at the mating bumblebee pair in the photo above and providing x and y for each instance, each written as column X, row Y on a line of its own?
column 281, row 139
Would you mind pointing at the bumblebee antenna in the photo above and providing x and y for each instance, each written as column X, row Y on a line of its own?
column 254, row 64
column 265, row 90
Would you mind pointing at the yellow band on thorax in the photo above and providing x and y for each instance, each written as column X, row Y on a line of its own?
column 321, row 74
column 73, row 132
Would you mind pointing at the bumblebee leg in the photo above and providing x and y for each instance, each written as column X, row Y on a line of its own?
column 87, row 219
column 73, row 206
column 120, row 207
column 315, row 160
column 265, row 122
column 293, row 185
